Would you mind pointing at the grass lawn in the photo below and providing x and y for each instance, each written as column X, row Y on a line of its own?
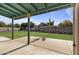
column 39, row 34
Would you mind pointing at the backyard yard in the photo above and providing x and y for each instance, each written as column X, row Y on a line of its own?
column 18, row 34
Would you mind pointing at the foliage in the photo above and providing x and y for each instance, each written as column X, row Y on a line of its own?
column 2, row 24
column 42, row 24
column 50, row 23
column 65, row 23
column 25, row 25
column 16, row 25
column 32, row 24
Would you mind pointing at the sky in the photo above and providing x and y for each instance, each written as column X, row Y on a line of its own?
column 58, row 16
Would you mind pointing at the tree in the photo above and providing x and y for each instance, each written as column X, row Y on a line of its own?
column 17, row 25
column 2, row 24
column 65, row 23
column 32, row 24
column 50, row 23
column 60, row 24
column 42, row 24
column 9, row 25
column 25, row 25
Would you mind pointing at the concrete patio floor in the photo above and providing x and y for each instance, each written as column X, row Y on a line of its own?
column 47, row 47
column 3, row 39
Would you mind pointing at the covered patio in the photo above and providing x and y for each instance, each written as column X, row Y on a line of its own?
column 50, row 46
column 29, row 45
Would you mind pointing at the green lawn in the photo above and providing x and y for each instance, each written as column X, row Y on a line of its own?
column 39, row 34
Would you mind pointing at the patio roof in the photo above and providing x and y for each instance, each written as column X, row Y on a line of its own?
column 20, row 10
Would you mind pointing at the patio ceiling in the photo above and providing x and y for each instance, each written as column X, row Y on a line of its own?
column 20, row 10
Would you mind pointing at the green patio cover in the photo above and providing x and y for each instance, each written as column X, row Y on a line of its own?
column 20, row 10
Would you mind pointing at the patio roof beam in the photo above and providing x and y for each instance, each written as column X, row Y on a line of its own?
column 48, row 9
column 45, row 5
column 15, row 8
column 51, row 9
column 4, row 13
column 28, row 11
column 7, row 12
column 11, row 9
column 34, row 6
